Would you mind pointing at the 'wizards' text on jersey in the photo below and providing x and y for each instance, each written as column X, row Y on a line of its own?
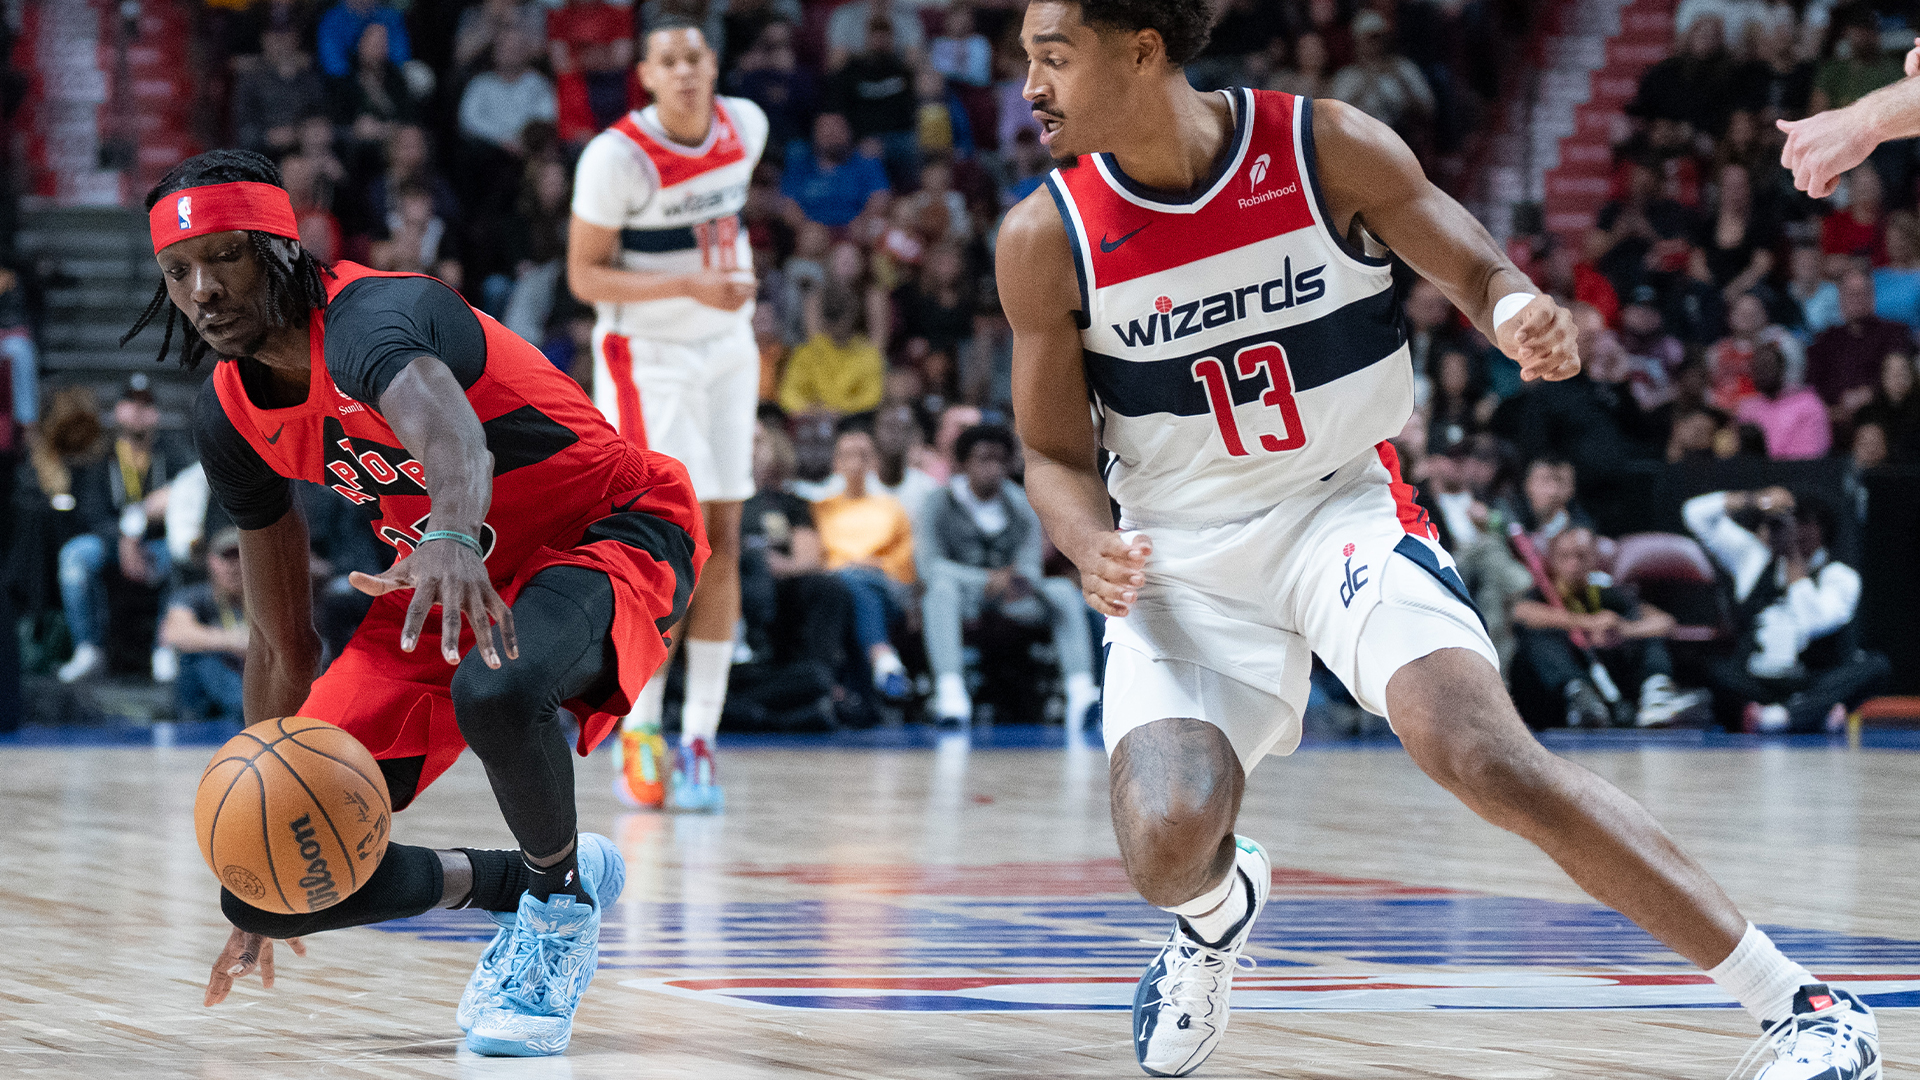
column 1237, row 349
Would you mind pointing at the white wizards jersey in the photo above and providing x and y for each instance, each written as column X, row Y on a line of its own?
column 678, row 211
column 1237, row 350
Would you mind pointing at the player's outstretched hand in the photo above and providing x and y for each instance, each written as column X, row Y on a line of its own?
column 447, row 573
column 1541, row 338
column 723, row 289
column 245, row 953
column 1824, row 147
column 1913, row 60
column 1111, row 580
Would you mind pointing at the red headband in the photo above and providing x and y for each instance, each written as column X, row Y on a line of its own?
column 243, row 204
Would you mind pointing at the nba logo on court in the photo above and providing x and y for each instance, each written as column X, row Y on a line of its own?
column 185, row 208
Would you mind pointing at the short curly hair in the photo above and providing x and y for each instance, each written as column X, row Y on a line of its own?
column 1184, row 25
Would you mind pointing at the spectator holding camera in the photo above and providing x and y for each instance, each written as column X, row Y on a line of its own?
column 1798, row 665
column 977, row 546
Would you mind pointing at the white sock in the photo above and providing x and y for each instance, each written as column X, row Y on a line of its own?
column 885, row 662
column 950, row 697
column 1214, row 913
column 708, row 665
column 1082, row 692
column 648, row 706
column 1761, row 977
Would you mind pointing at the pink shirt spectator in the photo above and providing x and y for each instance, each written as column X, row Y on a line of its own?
column 1795, row 424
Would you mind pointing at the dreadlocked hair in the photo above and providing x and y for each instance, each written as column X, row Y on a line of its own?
column 295, row 283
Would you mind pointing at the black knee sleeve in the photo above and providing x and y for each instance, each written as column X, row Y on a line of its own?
column 407, row 882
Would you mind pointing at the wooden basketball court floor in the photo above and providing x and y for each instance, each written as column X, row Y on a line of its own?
column 959, row 912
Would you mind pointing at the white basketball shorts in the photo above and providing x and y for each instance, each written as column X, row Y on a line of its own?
column 691, row 400
column 1230, row 615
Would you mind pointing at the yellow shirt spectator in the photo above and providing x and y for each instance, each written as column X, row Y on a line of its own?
column 871, row 530
column 859, row 527
column 846, row 375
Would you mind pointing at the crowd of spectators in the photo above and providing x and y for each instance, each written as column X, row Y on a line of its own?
column 1722, row 314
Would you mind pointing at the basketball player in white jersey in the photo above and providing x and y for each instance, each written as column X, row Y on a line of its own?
column 657, row 247
column 1210, row 271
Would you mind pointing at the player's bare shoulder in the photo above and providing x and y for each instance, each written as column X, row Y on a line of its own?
column 1033, row 264
column 1359, row 162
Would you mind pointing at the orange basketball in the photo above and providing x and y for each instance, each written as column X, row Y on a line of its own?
column 292, row 815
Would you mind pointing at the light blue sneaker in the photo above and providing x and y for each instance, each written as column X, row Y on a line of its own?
column 694, row 787
column 549, row 957
column 606, row 876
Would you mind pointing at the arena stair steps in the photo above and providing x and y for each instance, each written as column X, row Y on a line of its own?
column 97, row 269
column 110, row 98
column 1578, row 176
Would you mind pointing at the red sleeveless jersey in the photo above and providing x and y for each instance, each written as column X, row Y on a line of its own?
column 567, row 490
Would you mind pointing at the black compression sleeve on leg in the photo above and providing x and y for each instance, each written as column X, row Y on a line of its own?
column 564, row 620
column 407, row 882
column 499, row 877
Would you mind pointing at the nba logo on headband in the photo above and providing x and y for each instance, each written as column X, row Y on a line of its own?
column 241, row 205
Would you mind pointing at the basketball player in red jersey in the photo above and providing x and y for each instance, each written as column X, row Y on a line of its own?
column 513, row 505
column 656, row 245
column 1211, row 271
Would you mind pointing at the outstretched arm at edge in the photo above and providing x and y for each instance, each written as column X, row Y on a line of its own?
column 1826, row 145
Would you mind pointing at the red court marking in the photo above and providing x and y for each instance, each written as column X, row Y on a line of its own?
column 1084, row 877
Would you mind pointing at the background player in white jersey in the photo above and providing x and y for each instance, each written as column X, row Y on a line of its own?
column 1250, row 229
column 657, row 247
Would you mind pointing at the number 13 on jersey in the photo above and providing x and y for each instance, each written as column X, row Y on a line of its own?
column 1211, row 373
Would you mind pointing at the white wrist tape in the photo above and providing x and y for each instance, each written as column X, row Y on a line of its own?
column 1509, row 305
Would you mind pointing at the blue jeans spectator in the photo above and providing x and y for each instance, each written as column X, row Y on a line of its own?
column 208, row 688
column 874, row 607
column 83, row 586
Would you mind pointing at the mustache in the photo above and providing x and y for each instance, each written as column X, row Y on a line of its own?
column 1045, row 111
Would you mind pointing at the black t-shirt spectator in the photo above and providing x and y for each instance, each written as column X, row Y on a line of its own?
column 264, row 100
column 1759, row 87
column 209, row 611
column 876, row 94
column 375, row 328
column 769, row 518
column 1691, row 89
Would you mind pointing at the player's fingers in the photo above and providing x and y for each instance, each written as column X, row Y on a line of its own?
column 1125, row 573
column 1098, row 601
column 298, row 945
column 417, row 610
column 1120, row 592
column 453, row 602
column 219, row 983
column 502, row 616
column 374, row 584
column 480, row 617
column 266, row 964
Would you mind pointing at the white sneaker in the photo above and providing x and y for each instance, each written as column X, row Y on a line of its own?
column 1830, row 1036
column 1662, row 704
column 1180, row 1004
column 87, row 660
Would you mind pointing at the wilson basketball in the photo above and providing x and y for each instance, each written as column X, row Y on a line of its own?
column 292, row 815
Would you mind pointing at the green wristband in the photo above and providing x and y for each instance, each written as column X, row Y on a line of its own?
column 460, row 538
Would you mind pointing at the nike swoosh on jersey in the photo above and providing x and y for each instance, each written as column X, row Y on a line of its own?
column 275, row 437
column 1108, row 247
column 628, row 508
